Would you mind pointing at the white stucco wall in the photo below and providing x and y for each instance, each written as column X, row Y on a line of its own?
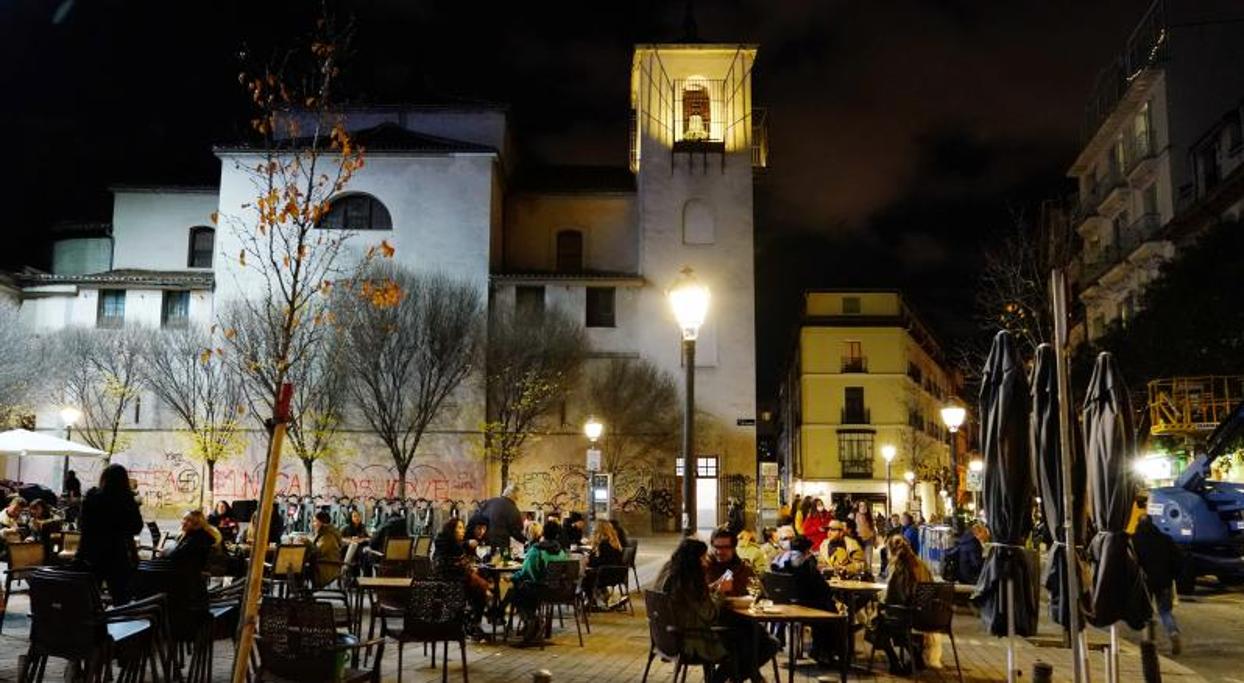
column 151, row 229
column 607, row 221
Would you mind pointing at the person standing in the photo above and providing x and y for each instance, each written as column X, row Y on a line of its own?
column 110, row 520
column 735, row 520
column 505, row 522
column 1161, row 560
column 815, row 523
column 866, row 529
column 911, row 532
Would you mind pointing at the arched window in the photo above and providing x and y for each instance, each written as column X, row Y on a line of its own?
column 569, row 251
column 698, row 224
column 356, row 212
column 202, row 244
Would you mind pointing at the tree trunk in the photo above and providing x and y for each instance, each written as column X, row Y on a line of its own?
column 211, row 484
column 310, row 465
column 401, row 480
column 505, row 473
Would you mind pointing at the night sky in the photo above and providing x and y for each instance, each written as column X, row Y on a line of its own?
column 903, row 134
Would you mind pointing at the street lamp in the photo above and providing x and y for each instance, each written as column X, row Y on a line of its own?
column 69, row 416
column 592, row 429
column 689, row 301
column 887, row 453
column 953, row 416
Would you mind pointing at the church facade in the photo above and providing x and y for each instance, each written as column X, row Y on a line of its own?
column 439, row 185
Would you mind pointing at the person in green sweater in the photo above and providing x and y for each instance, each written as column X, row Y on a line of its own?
column 526, row 597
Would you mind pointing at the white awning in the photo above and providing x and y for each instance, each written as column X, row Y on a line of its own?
column 25, row 442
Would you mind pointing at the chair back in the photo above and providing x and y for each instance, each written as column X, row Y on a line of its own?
column 154, row 530
column 65, row 610
column 434, row 611
column 933, row 608
column 561, row 582
column 780, row 587
column 26, row 554
column 289, row 559
column 297, row 639
column 633, row 545
column 69, row 541
column 398, row 549
column 421, row 566
column 665, row 638
column 352, row 552
column 608, row 576
column 186, row 592
column 423, row 546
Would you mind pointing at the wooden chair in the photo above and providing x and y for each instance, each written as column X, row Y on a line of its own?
column 24, row 558
column 423, row 546
column 665, row 640
column 298, row 642
column 69, row 545
column 285, row 570
column 434, row 613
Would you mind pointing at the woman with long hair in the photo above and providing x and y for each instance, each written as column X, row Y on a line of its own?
column 816, row 522
column 110, row 520
column 452, row 563
column 606, row 552
column 906, row 571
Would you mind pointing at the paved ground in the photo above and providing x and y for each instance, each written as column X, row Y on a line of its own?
column 1211, row 621
column 617, row 648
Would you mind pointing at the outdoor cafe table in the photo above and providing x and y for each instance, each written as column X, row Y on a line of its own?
column 855, row 592
column 788, row 614
column 496, row 572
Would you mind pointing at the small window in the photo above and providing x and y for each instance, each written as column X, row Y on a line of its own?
column 600, row 306
column 855, row 454
column 706, row 467
column 850, row 305
column 175, row 309
column 569, row 251
column 529, row 302
column 202, row 243
column 111, row 312
column 356, row 212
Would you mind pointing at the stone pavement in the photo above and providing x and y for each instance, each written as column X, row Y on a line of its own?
column 617, row 648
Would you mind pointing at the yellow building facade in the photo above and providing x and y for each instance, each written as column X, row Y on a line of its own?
column 865, row 373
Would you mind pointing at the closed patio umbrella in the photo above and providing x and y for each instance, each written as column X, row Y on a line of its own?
column 1004, row 591
column 1118, row 592
column 1047, row 452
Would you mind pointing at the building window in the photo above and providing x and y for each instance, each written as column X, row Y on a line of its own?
column 853, row 359
column 202, row 243
column 529, row 302
column 1234, row 134
column 356, row 212
column 175, row 309
column 569, row 251
column 853, row 410
column 705, row 467
column 600, row 306
column 855, row 452
column 111, row 312
column 850, row 305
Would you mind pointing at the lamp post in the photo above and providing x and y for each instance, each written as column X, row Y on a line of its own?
column 592, row 429
column 887, row 454
column 953, row 416
column 976, row 466
column 911, row 487
column 69, row 416
column 689, row 301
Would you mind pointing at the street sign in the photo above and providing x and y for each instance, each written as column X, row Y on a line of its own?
column 746, row 422
column 974, row 480
column 593, row 459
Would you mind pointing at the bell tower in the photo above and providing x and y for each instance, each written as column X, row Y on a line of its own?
column 693, row 147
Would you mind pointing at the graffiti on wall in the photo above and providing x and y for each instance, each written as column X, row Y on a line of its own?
column 637, row 489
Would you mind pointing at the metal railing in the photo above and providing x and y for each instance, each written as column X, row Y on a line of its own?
column 1139, row 231
column 1146, row 47
column 854, row 364
column 1183, row 405
column 1137, row 148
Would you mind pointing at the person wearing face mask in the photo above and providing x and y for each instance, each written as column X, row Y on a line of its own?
column 814, row 525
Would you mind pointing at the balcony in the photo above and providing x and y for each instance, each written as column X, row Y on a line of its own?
column 1145, row 49
column 854, row 364
column 856, row 416
column 1139, row 231
column 1142, row 158
column 1113, row 192
column 857, row 468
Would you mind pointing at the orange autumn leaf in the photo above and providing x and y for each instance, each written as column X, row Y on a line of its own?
column 386, row 249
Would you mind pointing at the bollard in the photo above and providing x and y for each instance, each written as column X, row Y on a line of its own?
column 542, row 676
column 1149, row 666
column 1042, row 672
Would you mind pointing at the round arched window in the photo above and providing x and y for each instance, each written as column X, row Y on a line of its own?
column 356, row 211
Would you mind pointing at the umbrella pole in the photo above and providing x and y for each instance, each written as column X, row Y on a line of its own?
column 1114, row 653
column 1058, row 297
column 1010, row 630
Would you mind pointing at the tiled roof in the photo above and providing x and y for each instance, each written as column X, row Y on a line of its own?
column 389, row 137
column 133, row 278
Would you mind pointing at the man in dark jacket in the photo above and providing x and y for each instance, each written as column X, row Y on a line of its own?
column 966, row 558
column 505, row 522
column 1161, row 560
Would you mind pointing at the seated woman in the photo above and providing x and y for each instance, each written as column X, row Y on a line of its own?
column 198, row 541
column 355, row 529
column 698, row 606
column 452, row 563
column 327, row 549
column 606, row 552
column 525, row 596
column 222, row 518
column 906, row 570
column 476, row 534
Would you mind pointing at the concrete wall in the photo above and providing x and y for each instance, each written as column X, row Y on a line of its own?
column 151, row 229
column 607, row 222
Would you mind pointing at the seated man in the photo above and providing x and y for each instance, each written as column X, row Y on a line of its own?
column 814, row 592
column 723, row 558
column 328, row 546
column 11, row 515
column 842, row 554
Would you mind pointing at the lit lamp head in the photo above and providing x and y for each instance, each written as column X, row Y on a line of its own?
column 70, row 415
column 593, row 429
column 909, row 476
column 689, row 300
column 887, row 453
column 977, row 465
column 953, row 416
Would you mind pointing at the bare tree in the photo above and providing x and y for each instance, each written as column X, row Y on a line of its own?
column 406, row 359
column 21, row 364
column 533, row 361
column 189, row 375
column 920, row 449
column 1013, row 291
column 102, row 376
column 638, row 404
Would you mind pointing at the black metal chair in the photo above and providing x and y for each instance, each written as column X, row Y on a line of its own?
column 634, row 545
column 611, row 578
column 435, row 613
column 559, row 588
column 298, row 641
column 932, row 611
column 69, row 621
column 188, row 619
column 783, row 589
column 665, row 639
column 24, row 559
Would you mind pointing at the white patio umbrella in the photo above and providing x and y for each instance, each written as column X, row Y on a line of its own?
column 23, row 442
